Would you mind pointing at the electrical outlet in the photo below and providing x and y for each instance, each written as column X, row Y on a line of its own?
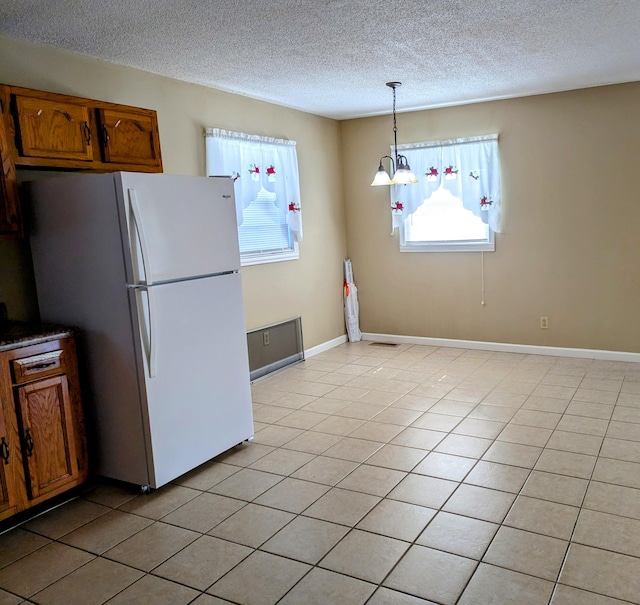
column 265, row 339
column 544, row 323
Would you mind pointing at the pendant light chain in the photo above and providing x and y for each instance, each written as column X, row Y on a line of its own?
column 395, row 128
column 400, row 168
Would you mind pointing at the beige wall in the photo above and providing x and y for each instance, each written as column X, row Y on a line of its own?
column 571, row 238
column 310, row 287
column 571, row 243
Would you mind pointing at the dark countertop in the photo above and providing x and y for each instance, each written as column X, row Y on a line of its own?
column 15, row 334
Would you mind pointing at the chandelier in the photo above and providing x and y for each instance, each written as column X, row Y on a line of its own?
column 400, row 168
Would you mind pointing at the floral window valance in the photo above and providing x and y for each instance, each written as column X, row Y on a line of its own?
column 469, row 168
column 262, row 168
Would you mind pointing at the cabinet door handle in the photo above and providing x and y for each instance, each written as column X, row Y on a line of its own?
column 66, row 114
column 87, row 133
column 29, row 443
column 105, row 132
column 4, row 450
column 41, row 366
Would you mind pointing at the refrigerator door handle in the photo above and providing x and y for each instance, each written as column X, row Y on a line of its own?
column 149, row 330
column 135, row 213
column 153, row 345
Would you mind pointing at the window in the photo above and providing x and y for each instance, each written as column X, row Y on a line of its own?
column 264, row 229
column 443, row 224
column 456, row 204
column 267, row 192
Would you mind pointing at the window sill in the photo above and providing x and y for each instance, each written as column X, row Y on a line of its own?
column 449, row 247
column 275, row 257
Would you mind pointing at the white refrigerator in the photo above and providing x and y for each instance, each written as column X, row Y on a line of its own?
column 147, row 267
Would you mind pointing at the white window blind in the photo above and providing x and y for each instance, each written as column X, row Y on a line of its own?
column 265, row 173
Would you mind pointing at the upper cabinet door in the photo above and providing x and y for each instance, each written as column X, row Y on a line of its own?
column 10, row 223
column 130, row 137
column 53, row 129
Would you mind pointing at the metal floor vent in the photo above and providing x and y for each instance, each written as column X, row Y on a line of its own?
column 383, row 344
column 274, row 347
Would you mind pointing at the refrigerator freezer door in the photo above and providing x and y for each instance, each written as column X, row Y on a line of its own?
column 199, row 398
column 177, row 227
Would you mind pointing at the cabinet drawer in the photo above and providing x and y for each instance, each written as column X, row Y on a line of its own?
column 38, row 366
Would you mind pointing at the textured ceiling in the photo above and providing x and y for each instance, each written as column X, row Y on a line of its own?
column 333, row 57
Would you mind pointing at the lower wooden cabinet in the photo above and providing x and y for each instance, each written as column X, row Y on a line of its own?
column 8, row 499
column 42, row 439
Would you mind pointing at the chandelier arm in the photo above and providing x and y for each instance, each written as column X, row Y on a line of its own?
column 393, row 165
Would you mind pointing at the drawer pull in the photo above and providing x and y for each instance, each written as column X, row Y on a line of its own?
column 29, row 443
column 41, row 366
column 4, row 450
column 33, row 367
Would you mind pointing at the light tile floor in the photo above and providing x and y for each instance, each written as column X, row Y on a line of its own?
column 399, row 475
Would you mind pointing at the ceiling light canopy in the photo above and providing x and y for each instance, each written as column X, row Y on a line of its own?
column 400, row 168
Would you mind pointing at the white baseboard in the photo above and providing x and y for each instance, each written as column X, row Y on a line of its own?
column 503, row 347
column 325, row 346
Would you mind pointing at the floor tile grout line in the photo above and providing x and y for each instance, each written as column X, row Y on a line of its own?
column 103, row 555
column 450, row 432
column 460, row 482
column 413, row 543
column 258, row 548
column 60, row 578
column 501, row 524
column 430, row 451
column 440, row 509
column 582, row 502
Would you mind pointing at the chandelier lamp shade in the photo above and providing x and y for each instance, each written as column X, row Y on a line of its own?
column 400, row 168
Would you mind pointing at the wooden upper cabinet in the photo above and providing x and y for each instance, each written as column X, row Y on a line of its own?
column 10, row 223
column 53, row 129
column 45, row 130
column 50, row 130
column 130, row 137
